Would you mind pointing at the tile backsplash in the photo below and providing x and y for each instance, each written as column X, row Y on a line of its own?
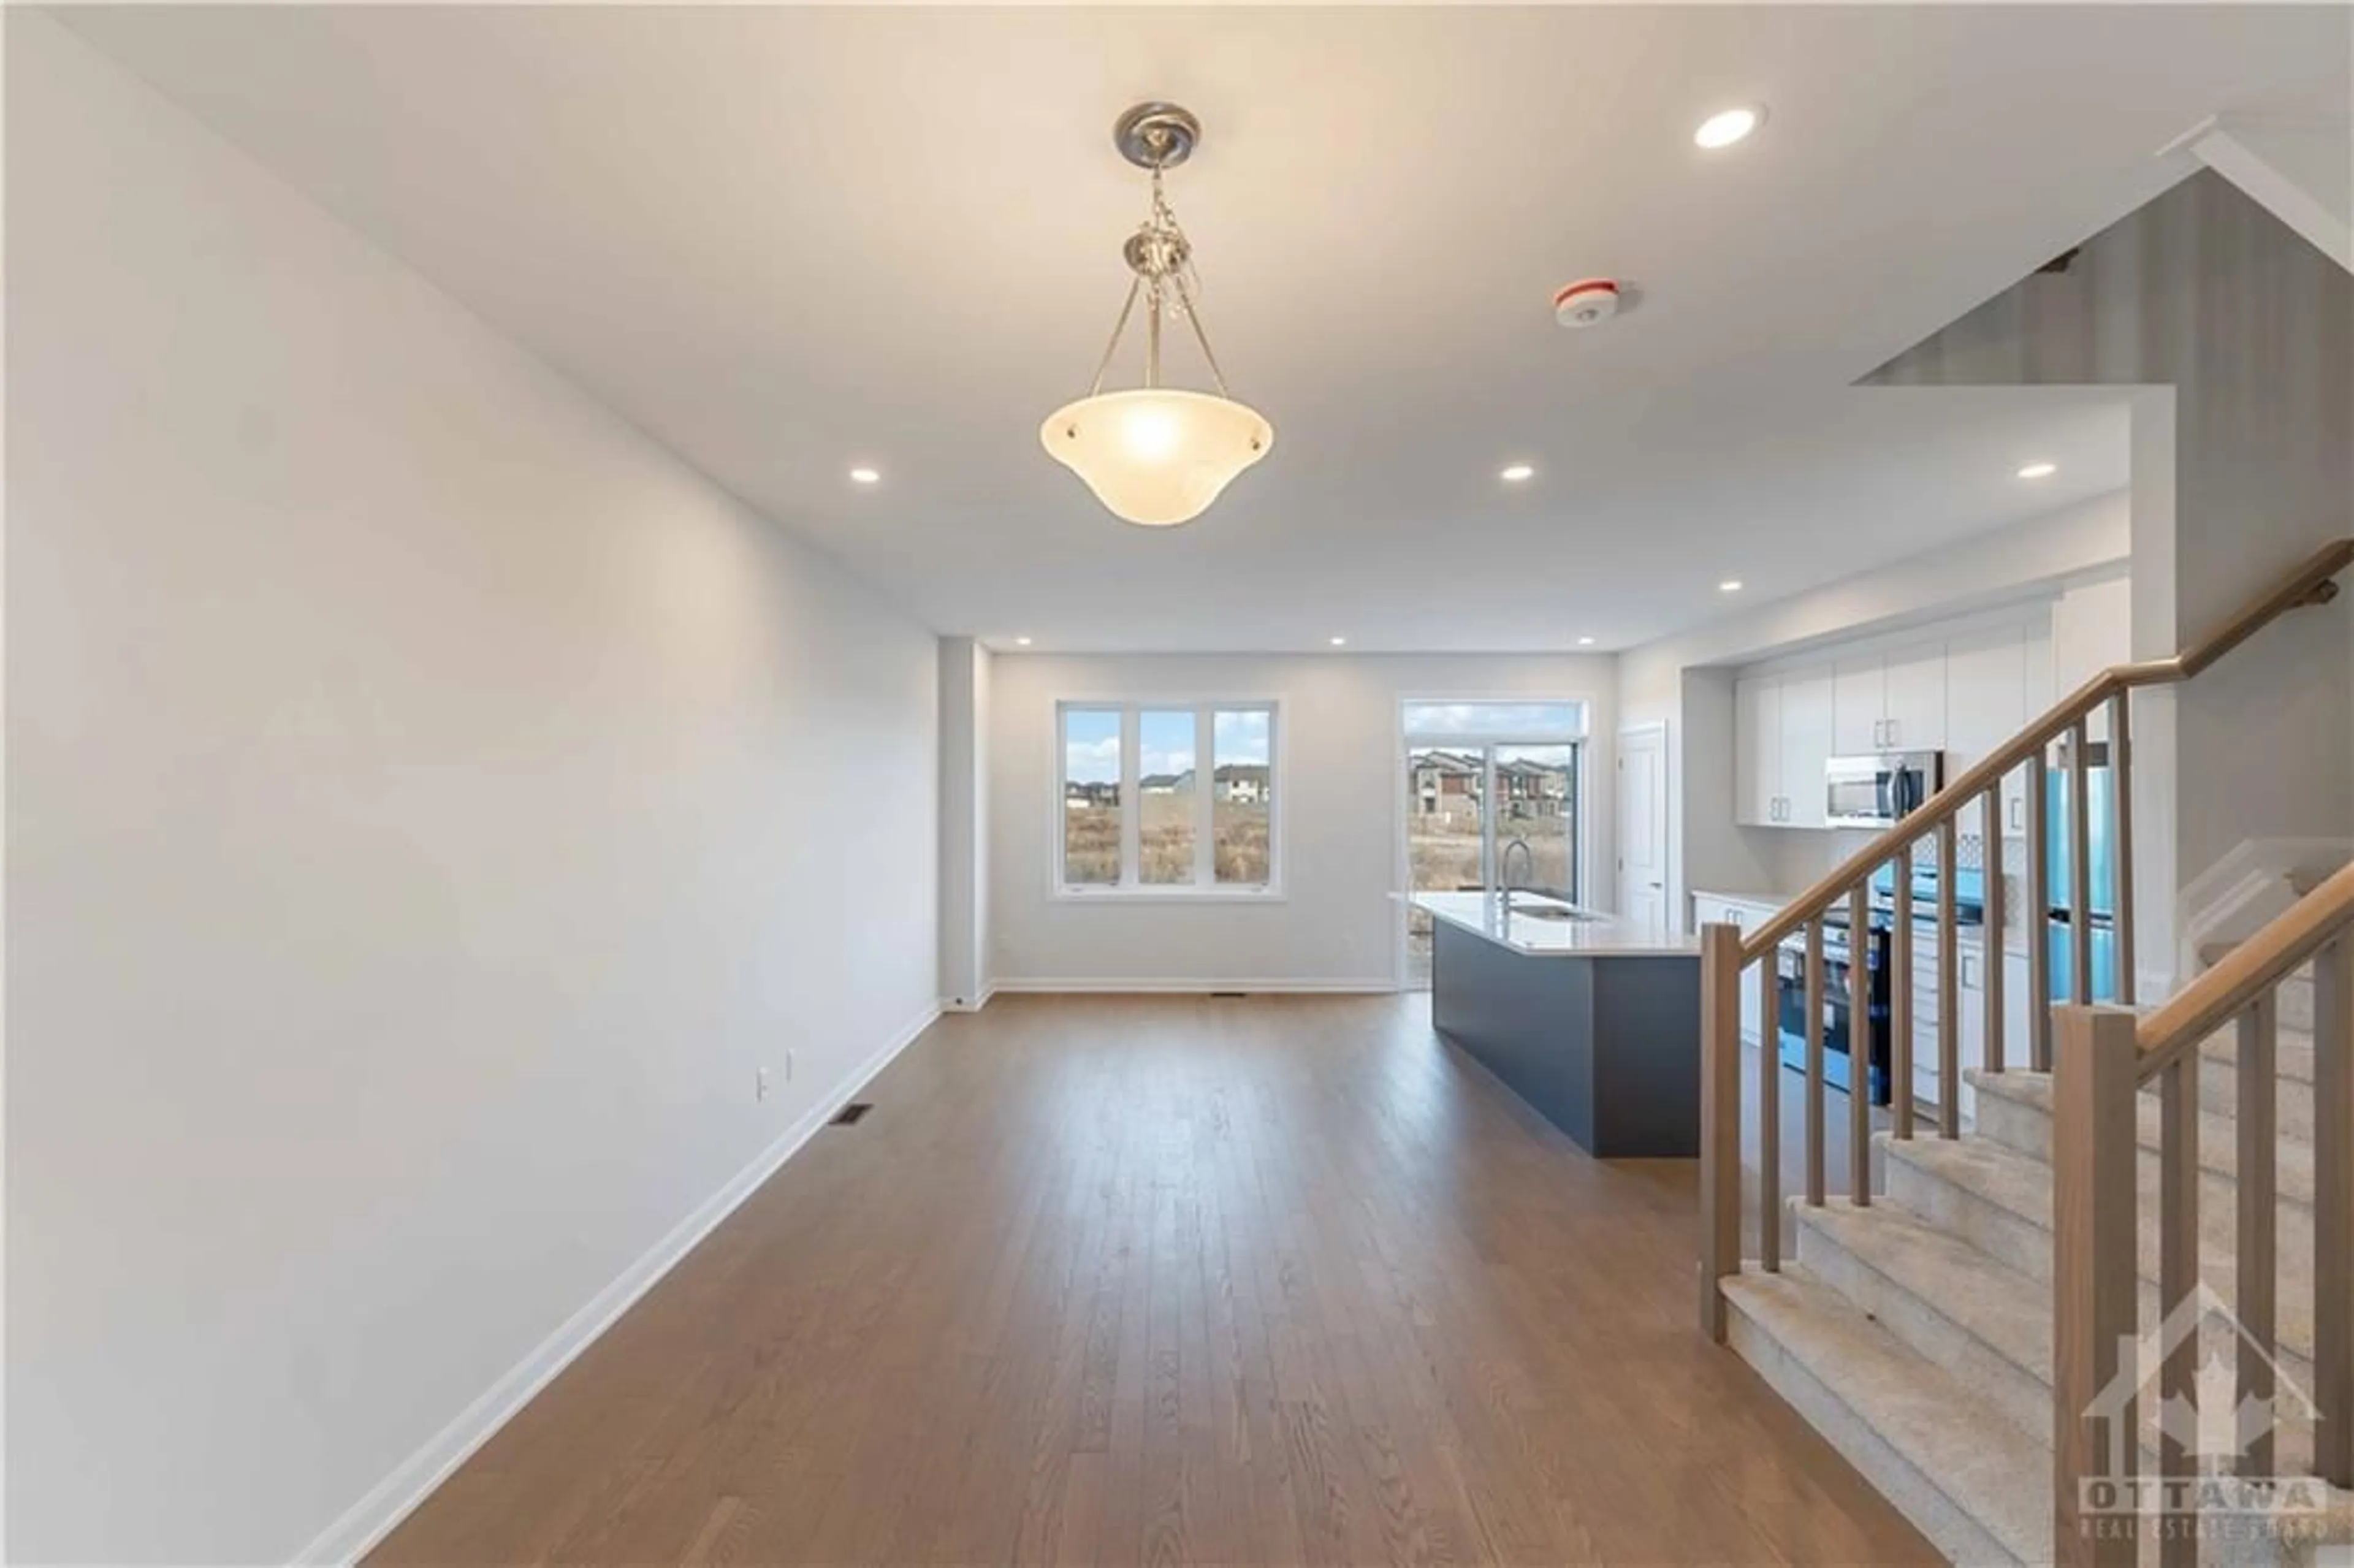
column 1803, row 858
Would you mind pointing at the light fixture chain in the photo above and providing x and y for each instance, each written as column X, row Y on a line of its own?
column 1117, row 327
column 1154, row 307
column 1200, row 335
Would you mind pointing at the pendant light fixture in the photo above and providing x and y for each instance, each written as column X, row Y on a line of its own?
column 1156, row 455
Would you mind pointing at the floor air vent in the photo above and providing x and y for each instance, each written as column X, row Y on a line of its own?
column 848, row 1116
column 1229, row 995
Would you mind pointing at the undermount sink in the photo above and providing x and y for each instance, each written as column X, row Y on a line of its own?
column 1547, row 912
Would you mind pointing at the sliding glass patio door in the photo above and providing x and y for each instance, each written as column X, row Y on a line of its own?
column 1480, row 777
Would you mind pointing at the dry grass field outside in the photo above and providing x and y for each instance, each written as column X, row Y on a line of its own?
column 1443, row 856
column 1239, row 829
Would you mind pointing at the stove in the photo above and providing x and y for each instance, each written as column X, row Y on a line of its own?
column 1841, row 1026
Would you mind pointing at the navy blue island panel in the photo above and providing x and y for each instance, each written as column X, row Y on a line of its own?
column 1604, row 1046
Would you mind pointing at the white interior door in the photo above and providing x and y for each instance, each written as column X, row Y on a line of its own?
column 1643, row 828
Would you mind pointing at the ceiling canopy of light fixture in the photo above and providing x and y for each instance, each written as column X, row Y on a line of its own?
column 1156, row 455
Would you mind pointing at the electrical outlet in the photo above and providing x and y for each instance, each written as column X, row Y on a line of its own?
column 760, row 1084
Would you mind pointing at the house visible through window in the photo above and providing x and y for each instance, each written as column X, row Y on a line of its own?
column 1486, row 782
column 1141, row 811
column 1091, row 753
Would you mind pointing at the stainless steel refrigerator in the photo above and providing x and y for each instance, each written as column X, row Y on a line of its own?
column 2101, row 839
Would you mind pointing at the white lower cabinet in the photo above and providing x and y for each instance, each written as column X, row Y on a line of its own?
column 1974, row 1024
column 1970, row 1040
column 1922, row 1022
column 1710, row 910
column 1928, row 1084
column 2018, row 1011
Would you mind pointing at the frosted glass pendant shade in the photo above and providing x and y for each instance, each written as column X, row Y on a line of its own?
column 1154, row 456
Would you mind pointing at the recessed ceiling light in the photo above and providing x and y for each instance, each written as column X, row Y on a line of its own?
column 1516, row 473
column 1022, row 642
column 1585, row 642
column 1340, row 642
column 2039, row 471
column 1727, row 126
column 1730, row 584
column 865, row 476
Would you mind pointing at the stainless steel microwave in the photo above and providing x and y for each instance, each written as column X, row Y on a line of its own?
column 1873, row 791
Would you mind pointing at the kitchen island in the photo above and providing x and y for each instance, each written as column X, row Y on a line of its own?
column 1595, row 1025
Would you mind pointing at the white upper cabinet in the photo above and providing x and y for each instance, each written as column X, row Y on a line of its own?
column 2091, row 629
column 1859, row 704
column 1757, row 751
column 1808, row 705
column 1965, row 694
column 1893, row 701
column 1916, row 718
column 1782, row 737
column 1986, row 680
column 1987, row 694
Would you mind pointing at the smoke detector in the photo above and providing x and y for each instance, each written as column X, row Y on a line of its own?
column 1589, row 302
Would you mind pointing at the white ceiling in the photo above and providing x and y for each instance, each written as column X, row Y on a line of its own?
column 787, row 242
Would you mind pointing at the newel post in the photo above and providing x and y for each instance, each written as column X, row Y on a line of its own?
column 2095, row 1078
column 1720, row 1119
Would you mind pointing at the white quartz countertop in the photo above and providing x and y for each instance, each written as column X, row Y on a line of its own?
column 1969, row 935
column 1569, row 933
column 1754, row 900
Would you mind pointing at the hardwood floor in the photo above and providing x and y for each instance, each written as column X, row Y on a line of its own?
column 1147, row 1280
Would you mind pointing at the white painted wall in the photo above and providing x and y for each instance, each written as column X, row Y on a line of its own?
column 1687, row 679
column 964, row 822
column 2091, row 629
column 1339, row 786
column 431, row 802
column 2231, row 329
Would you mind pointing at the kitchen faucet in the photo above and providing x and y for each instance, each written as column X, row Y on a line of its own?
column 1504, row 870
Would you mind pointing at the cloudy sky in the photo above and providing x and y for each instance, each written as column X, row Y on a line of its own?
column 1166, row 737
column 1164, row 742
column 1496, row 721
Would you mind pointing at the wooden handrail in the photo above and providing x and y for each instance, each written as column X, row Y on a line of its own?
column 2108, row 1059
column 2245, row 973
column 2310, row 583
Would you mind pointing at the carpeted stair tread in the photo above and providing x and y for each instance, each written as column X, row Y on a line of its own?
column 1952, row 1451
column 2219, row 1148
column 2006, row 1309
column 2020, row 1187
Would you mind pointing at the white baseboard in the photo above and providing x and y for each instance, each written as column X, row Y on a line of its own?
column 392, row 1499
column 1163, row 986
column 972, row 1004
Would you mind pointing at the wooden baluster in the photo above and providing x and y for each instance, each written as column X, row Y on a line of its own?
column 1996, row 906
column 2257, row 1119
column 2039, row 915
column 1814, row 1031
column 1949, row 991
column 2095, row 1283
column 2178, row 1289
column 2121, row 842
column 1719, row 1119
column 1900, row 996
column 2333, row 1210
column 1770, row 1111
column 1859, row 1047
column 2080, row 864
